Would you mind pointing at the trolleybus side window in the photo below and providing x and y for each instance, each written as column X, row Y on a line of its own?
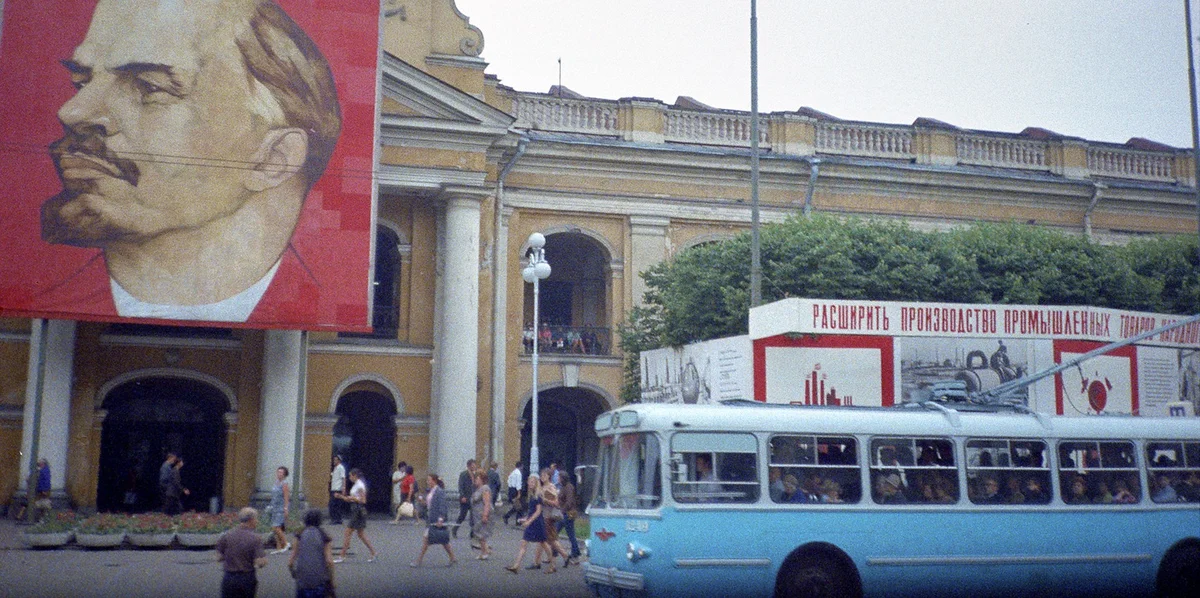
column 1174, row 471
column 714, row 467
column 913, row 470
column 813, row 469
column 1007, row 472
column 629, row 472
column 1098, row 472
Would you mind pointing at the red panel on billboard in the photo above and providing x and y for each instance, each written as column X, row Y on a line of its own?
column 1106, row 384
column 205, row 162
column 883, row 345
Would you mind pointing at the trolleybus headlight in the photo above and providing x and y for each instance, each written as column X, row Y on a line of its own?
column 636, row 552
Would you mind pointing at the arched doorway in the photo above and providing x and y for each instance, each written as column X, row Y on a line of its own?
column 365, row 437
column 566, row 427
column 149, row 417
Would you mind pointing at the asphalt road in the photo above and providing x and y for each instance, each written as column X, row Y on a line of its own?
column 176, row 572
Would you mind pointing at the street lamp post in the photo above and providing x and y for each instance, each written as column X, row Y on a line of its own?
column 536, row 269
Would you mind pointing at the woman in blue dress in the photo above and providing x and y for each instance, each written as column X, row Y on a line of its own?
column 281, row 496
column 534, row 523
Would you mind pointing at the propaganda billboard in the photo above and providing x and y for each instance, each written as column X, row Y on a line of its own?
column 206, row 162
column 882, row 353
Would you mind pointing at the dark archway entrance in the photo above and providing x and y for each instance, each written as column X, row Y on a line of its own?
column 566, row 427
column 148, row 418
column 365, row 437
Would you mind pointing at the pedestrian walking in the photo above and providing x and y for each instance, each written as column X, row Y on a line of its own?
column 357, row 499
column 240, row 551
column 535, row 527
column 281, row 501
column 553, row 514
column 397, row 491
column 170, row 484
column 569, row 503
column 514, row 493
column 493, row 481
column 337, row 485
column 311, row 564
column 437, row 512
column 465, row 488
column 481, row 514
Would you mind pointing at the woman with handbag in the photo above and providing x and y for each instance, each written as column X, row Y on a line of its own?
column 358, row 514
column 437, row 532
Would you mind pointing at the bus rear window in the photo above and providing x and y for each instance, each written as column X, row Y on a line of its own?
column 1174, row 471
column 629, row 472
column 714, row 468
column 1098, row 472
column 814, row 469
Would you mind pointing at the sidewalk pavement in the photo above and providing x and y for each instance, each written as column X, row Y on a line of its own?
column 132, row 572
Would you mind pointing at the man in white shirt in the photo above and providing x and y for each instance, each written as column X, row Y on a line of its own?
column 515, row 484
column 337, row 485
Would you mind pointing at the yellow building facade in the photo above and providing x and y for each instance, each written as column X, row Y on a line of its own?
column 468, row 170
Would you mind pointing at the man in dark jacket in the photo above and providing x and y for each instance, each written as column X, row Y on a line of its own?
column 465, row 489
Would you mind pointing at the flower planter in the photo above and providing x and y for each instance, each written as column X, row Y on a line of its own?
column 197, row 540
column 99, row 540
column 151, row 540
column 47, row 540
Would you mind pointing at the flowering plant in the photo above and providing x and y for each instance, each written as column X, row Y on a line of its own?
column 151, row 523
column 103, row 524
column 204, row 523
column 55, row 522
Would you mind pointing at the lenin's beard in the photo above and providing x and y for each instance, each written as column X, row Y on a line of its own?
column 69, row 220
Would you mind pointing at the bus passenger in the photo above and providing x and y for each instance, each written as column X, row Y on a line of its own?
column 1122, row 495
column 889, row 490
column 831, row 492
column 1034, row 493
column 775, row 475
column 1077, row 491
column 1103, row 494
column 1189, row 489
column 1164, row 491
column 989, row 492
column 704, row 473
column 1014, row 494
column 791, row 489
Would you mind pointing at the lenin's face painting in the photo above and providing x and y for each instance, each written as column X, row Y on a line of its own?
column 164, row 125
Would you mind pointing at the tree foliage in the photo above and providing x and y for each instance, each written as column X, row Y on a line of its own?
column 703, row 293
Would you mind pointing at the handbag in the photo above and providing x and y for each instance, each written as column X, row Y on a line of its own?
column 439, row 535
column 406, row 509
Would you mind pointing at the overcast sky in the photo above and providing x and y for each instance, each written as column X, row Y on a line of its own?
column 1104, row 70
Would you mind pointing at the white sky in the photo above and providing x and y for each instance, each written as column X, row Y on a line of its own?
column 1104, row 70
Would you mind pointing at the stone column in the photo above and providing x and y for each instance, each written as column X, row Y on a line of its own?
column 281, row 426
column 455, row 402
column 649, row 247
column 48, row 402
column 500, row 343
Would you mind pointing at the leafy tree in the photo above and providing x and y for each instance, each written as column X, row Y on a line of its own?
column 703, row 293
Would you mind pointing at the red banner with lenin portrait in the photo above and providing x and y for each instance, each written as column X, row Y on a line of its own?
column 198, row 161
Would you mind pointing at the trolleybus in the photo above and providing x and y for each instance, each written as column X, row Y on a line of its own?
column 753, row 499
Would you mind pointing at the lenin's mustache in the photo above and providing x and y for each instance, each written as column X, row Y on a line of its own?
column 92, row 145
column 68, row 222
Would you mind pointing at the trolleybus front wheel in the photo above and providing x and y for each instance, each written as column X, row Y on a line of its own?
column 1179, row 573
column 817, row 575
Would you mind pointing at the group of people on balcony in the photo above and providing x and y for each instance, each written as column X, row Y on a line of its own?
column 562, row 339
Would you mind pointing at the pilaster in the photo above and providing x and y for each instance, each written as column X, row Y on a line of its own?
column 642, row 120
column 792, row 134
column 648, row 237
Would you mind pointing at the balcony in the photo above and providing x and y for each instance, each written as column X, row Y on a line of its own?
column 568, row 340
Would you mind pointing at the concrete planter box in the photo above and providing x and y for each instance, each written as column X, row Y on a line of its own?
column 47, row 540
column 151, row 540
column 99, row 540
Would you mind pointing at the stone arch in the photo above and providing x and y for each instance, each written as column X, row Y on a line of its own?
column 566, row 431
column 611, row 252
column 231, row 402
column 610, row 402
column 705, row 239
column 366, row 381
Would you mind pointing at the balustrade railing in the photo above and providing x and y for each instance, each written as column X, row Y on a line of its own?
column 1004, row 152
column 713, row 128
column 1130, row 164
column 579, row 340
column 832, row 137
column 568, row 115
column 854, row 139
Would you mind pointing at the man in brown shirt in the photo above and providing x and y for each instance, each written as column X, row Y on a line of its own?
column 241, row 551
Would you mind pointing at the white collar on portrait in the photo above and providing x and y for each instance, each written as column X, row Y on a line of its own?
column 234, row 309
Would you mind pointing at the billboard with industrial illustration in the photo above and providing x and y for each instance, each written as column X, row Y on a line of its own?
column 205, row 162
column 869, row 353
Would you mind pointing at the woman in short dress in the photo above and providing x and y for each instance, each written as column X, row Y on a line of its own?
column 534, row 523
column 358, row 514
column 481, row 513
column 436, row 532
column 281, row 498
